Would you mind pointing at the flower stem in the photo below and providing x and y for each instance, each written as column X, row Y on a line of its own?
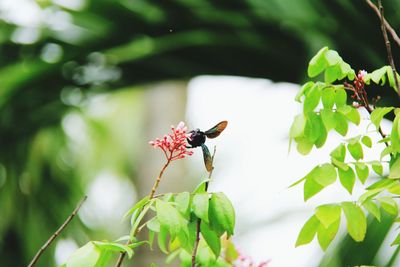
column 198, row 225
column 151, row 195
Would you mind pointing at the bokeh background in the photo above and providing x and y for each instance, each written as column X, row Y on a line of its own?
column 85, row 84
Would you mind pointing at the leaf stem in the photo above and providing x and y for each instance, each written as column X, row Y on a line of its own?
column 151, row 196
column 56, row 233
column 198, row 225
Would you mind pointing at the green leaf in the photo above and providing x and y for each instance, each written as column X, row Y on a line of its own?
column 311, row 100
column 200, row 205
column 386, row 151
column 369, row 194
column 183, row 201
column 137, row 206
column 389, row 205
column 340, row 97
column 114, row 247
column 332, row 57
column 339, row 164
column 377, row 167
column 162, row 239
column 304, row 145
column 169, row 217
column 153, row 225
column 221, row 213
column 135, row 223
column 376, row 76
column 326, row 235
column 308, row 231
column 339, row 152
column 328, row 98
column 394, row 172
column 372, row 208
column 211, row 238
column 328, row 214
column 201, row 188
column 328, row 118
column 347, row 179
column 366, row 140
column 304, row 89
column 356, row 221
column 318, row 63
column 362, row 171
column 356, row 150
column 333, row 73
column 383, row 183
column 341, row 124
column 297, row 128
column 394, row 189
column 350, row 113
column 378, row 114
column 86, row 256
column 311, row 188
column 396, row 241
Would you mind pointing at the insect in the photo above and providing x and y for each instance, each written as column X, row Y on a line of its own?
column 198, row 138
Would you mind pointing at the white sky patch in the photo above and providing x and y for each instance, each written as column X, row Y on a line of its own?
column 254, row 168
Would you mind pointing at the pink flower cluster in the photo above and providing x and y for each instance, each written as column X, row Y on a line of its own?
column 247, row 261
column 174, row 144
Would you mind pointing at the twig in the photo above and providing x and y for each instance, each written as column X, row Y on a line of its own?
column 151, row 195
column 387, row 25
column 196, row 244
column 388, row 46
column 56, row 233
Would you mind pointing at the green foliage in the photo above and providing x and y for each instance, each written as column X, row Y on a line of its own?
column 336, row 114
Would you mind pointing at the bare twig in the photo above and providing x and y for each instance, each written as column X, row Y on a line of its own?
column 387, row 25
column 388, row 47
column 56, row 233
column 198, row 225
column 151, row 195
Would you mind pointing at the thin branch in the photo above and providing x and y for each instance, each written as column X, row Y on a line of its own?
column 387, row 25
column 151, row 195
column 388, row 46
column 196, row 244
column 57, row 233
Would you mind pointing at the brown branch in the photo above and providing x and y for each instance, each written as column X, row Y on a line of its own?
column 388, row 46
column 56, row 233
column 198, row 225
column 151, row 195
column 387, row 25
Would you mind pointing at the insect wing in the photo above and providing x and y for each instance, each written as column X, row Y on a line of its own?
column 207, row 157
column 216, row 130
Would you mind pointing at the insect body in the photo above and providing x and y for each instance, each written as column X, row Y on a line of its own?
column 198, row 138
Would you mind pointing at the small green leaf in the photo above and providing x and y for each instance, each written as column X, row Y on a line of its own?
column 356, row 221
column 312, row 98
column 114, row 247
column 183, row 201
column 328, row 118
column 378, row 114
column 383, row 183
column 328, row 97
column 369, row 194
column 211, row 238
column 339, row 152
column 326, row 235
column 372, row 208
column 362, row 171
column 168, row 217
column 333, row 73
column 376, row 76
column 366, row 140
column 396, row 241
column 340, row 97
column 162, row 239
column 304, row 89
column 341, row 124
column 297, row 128
column 318, row 63
column 389, row 205
column 308, row 231
column 311, row 188
column 137, row 206
column 328, row 214
column 350, row 113
column 221, row 213
column 394, row 172
column 304, row 145
column 347, row 179
column 200, row 206
column 356, row 150
column 377, row 167
column 339, row 164
column 386, row 151
column 86, row 256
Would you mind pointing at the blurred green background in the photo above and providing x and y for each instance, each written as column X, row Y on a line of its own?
column 97, row 66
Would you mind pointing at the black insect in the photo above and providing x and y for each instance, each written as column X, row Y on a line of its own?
column 198, row 138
